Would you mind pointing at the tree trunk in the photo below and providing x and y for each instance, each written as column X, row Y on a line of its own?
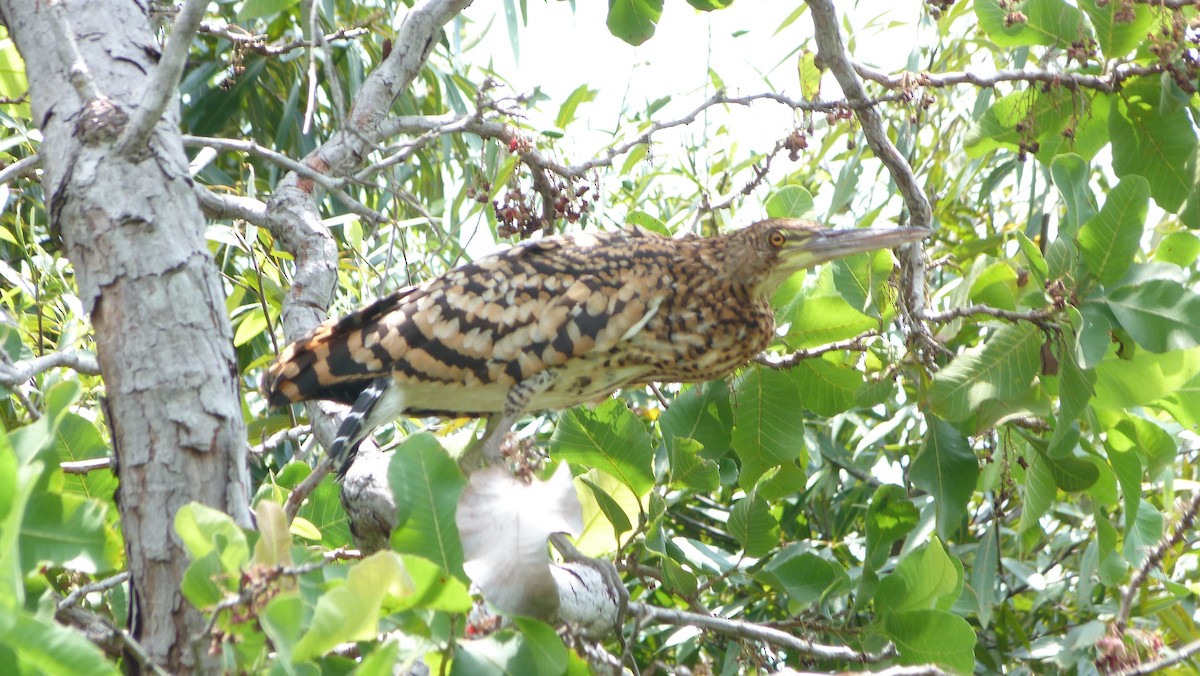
column 135, row 235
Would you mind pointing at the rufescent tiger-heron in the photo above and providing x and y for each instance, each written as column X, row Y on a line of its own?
column 554, row 322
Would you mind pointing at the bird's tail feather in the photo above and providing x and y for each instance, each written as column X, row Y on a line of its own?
column 357, row 425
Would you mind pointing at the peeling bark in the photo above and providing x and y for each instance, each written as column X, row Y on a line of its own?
column 134, row 233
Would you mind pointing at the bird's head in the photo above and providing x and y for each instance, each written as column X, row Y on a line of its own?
column 776, row 248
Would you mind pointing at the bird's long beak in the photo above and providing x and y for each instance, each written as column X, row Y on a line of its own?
column 822, row 245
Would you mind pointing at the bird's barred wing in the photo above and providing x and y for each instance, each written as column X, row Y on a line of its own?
column 494, row 322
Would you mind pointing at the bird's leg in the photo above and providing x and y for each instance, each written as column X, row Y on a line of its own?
column 487, row 450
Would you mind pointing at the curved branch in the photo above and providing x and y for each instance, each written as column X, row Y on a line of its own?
column 755, row 632
column 25, row 165
column 15, row 373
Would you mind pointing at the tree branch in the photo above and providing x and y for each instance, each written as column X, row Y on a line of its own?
column 1186, row 652
column 1178, row 533
column 15, row 373
column 1107, row 83
column 755, row 632
column 259, row 44
column 25, row 165
column 856, row 343
column 98, row 586
column 86, row 466
column 164, row 87
column 1042, row 317
column 231, row 207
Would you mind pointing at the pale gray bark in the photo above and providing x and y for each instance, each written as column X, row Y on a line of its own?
column 133, row 230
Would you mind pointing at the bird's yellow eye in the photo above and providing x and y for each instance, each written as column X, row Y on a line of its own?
column 776, row 239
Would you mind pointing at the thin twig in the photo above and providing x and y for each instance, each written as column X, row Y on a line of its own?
column 86, row 466
column 98, row 586
column 259, row 44
column 1042, row 317
column 164, row 85
column 15, row 373
column 291, row 434
column 1182, row 527
column 857, row 344
column 756, row 632
column 25, row 165
column 1186, row 652
column 1107, row 83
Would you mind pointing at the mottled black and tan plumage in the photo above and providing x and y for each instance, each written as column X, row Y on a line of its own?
column 555, row 322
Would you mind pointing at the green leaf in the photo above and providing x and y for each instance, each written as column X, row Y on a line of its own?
column 688, row 469
column 818, row 314
column 542, row 641
column 1045, row 22
column 768, row 429
column 1161, row 314
column 1034, row 255
column 351, row 612
column 1060, row 121
column 633, row 20
column 925, row 579
column 810, row 75
column 566, row 113
column 984, row 572
column 932, row 636
column 790, row 201
column 1004, row 367
column 804, row 576
column 1040, row 491
column 1109, row 240
column 753, row 526
column 709, row 5
column 204, row 529
column 1073, row 474
column 506, row 653
column 642, row 219
column 610, row 438
column 66, row 531
column 1143, row 534
column 700, row 412
column 1117, row 37
column 1071, row 174
column 862, row 281
column 1153, row 137
column 946, row 468
column 825, row 388
column 1143, row 379
column 1178, row 248
column 282, row 621
column 426, row 484
column 995, row 286
column 44, row 647
column 890, row 516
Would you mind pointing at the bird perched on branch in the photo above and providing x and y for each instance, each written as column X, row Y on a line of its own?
column 555, row 322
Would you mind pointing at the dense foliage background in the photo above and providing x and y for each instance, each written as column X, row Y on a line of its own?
column 1003, row 479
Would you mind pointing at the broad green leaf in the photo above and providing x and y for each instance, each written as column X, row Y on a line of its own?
column 260, row 9
column 1161, row 314
column 44, row 647
column 932, row 637
column 1143, row 534
column 283, row 621
column 1072, row 474
column 995, row 286
column 825, row 388
column 818, row 314
column 642, row 219
column 1117, row 37
column 925, row 579
column 1144, row 378
column 610, row 508
column 1071, row 174
column 768, row 428
column 251, row 324
column 1040, row 22
column 544, row 645
column 946, row 468
column 1059, row 121
column 1126, row 464
column 790, row 201
column 610, row 438
column 426, row 484
column 1153, row 136
column 66, row 531
column 634, row 21
column 709, row 5
column 753, row 526
column 804, row 576
column 1003, row 367
column 204, row 529
column 1179, row 248
column 700, row 412
column 433, row 589
column 862, row 281
column 1109, row 240
column 505, row 653
column 689, row 470
column 274, row 546
column 351, row 612
column 77, row 438
column 890, row 516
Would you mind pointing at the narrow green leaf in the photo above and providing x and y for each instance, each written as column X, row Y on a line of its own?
column 1153, row 136
column 753, row 525
column 1143, row 534
column 1161, row 314
column 1003, row 367
column 1071, row 174
column 426, row 484
column 932, row 636
column 610, row 438
column 946, row 468
column 566, row 112
column 1109, row 240
column 634, row 21
column 810, row 75
column 1033, row 255
column 984, row 572
column 1040, row 491
column 768, row 428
